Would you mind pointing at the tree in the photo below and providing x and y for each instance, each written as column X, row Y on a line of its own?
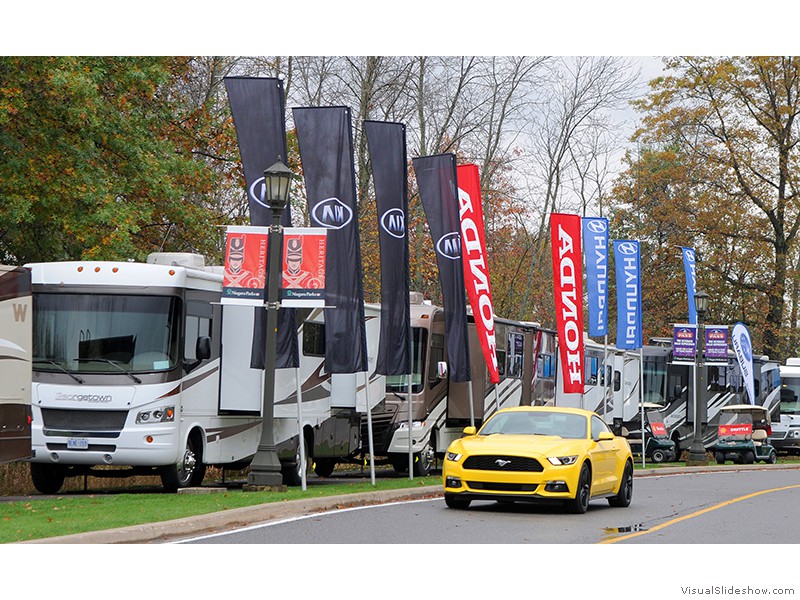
column 95, row 161
column 734, row 120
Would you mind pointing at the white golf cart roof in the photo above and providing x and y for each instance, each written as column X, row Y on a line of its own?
column 745, row 408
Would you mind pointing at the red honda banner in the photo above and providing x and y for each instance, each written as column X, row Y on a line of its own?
column 565, row 234
column 476, row 269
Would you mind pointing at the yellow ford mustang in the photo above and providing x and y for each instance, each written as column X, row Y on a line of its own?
column 537, row 453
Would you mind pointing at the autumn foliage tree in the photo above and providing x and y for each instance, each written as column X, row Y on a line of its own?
column 97, row 160
column 731, row 126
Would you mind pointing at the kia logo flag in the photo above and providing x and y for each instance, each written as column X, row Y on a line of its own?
column 629, row 294
column 325, row 139
column 259, row 118
column 438, row 189
column 689, row 268
column 595, row 248
column 387, row 152
column 743, row 348
column 565, row 234
column 476, row 268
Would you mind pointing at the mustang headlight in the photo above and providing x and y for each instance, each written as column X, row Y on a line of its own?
column 454, row 456
column 562, row 460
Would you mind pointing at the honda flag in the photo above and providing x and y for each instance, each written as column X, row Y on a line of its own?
column 325, row 138
column 257, row 107
column 476, row 268
column 438, row 184
column 689, row 268
column 629, row 294
column 743, row 348
column 565, row 235
column 595, row 248
column 387, row 151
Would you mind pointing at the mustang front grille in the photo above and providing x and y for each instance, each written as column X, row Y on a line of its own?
column 502, row 487
column 503, row 463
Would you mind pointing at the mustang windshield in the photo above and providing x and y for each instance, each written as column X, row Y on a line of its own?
column 565, row 425
column 91, row 333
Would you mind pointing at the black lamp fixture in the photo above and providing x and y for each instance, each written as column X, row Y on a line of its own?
column 697, row 451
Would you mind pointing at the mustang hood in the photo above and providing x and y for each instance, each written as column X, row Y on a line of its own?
column 518, row 444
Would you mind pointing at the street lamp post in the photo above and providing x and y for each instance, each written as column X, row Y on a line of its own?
column 697, row 451
column 265, row 470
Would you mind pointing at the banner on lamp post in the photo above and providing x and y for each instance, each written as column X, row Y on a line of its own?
column 690, row 271
column 303, row 281
column 565, row 234
column 245, row 274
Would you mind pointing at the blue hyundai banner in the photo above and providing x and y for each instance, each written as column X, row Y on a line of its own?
column 629, row 294
column 691, row 281
column 595, row 251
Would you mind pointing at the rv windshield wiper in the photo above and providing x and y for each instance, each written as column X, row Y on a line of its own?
column 113, row 363
column 42, row 361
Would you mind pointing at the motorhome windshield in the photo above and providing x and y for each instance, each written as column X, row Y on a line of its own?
column 790, row 392
column 94, row 333
column 399, row 383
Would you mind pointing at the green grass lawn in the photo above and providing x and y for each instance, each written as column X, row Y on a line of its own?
column 65, row 515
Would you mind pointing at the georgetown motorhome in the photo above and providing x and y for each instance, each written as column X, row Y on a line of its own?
column 15, row 363
column 439, row 407
column 138, row 365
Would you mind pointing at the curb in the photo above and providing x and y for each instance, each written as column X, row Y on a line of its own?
column 167, row 531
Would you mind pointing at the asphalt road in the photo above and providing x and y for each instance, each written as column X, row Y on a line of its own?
column 727, row 507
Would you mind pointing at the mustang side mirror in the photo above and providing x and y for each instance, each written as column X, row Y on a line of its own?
column 605, row 435
column 470, row 431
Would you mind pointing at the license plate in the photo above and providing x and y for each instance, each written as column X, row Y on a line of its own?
column 77, row 444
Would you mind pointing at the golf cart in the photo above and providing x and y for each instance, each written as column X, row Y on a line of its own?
column 743, row 435
column 658, row 447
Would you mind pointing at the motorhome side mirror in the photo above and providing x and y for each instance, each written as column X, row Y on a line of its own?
column 441, row 370
column 677, row 391
column 203, row 348
column 470, row 430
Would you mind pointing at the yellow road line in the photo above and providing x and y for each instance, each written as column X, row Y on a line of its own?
column 697, row 514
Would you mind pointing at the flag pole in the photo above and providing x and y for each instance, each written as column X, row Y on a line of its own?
column 301, row 442
column 369, row 429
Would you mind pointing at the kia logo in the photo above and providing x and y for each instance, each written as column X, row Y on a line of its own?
column 258, row 192
column 596, row 226
column 449, row 246
column 393, row 222
column 628, row 248
column 332, row 213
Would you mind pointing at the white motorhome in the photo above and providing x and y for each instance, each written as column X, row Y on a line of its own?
column 15, row 363
column 139, row 365
column 786, row 433
column 440, row 408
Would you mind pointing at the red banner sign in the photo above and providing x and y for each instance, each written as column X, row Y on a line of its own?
column 476, row 269
column 735, row 429
column 304, row 251
column 565, row 232
column 245, row 266
column 658, row 429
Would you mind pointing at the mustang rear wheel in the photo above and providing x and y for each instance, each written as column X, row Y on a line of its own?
column 580, row 503
column 625, row 494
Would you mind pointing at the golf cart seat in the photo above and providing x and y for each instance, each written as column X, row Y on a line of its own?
column 759, row 435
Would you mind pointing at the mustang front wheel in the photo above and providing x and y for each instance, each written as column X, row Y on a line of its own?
column 580, row 503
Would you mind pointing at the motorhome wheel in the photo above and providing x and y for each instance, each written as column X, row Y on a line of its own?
column 48, row 479
column 187, row 473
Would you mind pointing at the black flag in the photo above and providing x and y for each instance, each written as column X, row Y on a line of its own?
column 387, row 151
column 325, row 137
column 258, row 112
column 438, row 189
